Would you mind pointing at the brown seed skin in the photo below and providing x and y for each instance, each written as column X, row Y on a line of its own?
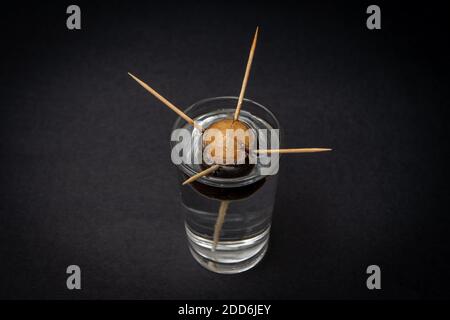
column 222, row 126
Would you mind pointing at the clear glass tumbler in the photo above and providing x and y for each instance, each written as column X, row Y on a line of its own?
column 227, row 220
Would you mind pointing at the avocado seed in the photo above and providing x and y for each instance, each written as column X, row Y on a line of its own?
column 232, row 137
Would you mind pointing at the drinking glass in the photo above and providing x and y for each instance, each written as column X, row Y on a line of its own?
column 242, row 205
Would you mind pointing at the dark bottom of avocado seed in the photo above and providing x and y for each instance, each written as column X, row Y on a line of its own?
column 235, row 193
column 231, row 171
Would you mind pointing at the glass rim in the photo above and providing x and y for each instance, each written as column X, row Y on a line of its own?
column 216, row 181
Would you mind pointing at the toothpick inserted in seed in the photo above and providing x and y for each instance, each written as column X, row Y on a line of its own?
column 293, row 150
column 219, row 222
column 166, row 102
column 246, row 75
column 201, row 174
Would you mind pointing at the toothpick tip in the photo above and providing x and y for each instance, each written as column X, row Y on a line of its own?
column 133, row 76
column 256, row 34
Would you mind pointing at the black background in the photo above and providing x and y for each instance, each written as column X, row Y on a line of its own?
column 85, row 159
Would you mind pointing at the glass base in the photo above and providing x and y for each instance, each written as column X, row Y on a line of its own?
column 229, row 256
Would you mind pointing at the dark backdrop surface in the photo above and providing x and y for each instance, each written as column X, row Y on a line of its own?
column 85, row 160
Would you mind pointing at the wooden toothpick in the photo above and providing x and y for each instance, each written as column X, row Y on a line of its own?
column 246, row 75
column 293, row 150
column 201, row 174
column 166, row 102
column 219, row 222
